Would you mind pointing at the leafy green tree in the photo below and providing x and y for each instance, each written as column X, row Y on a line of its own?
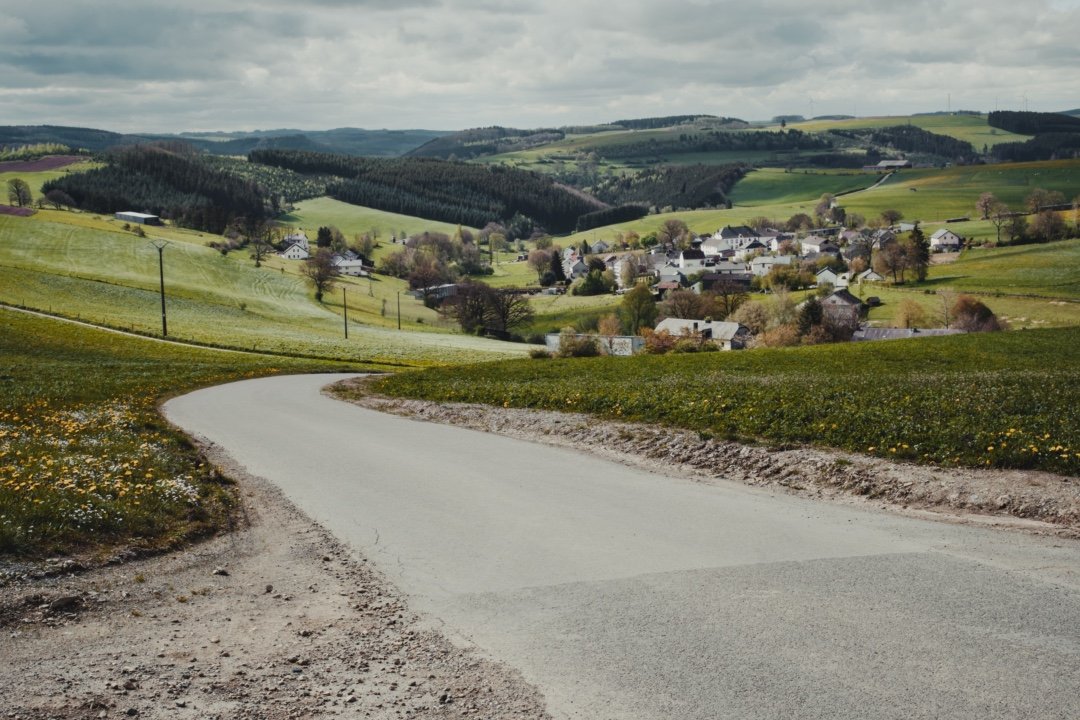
column 811, row 315
column 637, row 310
column 324, row 238
column 556, row 267
column 919, row 253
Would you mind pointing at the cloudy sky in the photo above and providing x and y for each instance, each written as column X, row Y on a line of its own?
column 128, row 65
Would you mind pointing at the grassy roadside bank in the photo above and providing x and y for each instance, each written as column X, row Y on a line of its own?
column 86, row 461
column 1004, row 400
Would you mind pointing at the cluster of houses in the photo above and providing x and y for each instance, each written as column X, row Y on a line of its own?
column 298, row 247
column 739, row 253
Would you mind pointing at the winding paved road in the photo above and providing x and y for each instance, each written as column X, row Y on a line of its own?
column 625, row 594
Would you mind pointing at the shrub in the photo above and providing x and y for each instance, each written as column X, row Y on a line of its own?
column 571, row 345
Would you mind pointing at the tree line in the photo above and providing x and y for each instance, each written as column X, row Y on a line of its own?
column 1033, row 123
column 713, row 141
column 166, row 182
column 908, row 138
column 455, row 192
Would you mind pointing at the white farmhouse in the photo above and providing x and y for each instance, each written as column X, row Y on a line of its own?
column 945, row 240
column 296, row 251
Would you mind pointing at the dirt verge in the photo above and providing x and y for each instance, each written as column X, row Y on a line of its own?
column 1030, row 500
column 274, row 620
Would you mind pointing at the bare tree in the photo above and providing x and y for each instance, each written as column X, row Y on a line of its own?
column 540, row 261
column 19, row 193
column 469, row 306
column 673, row 231
column 985, row 204
column 1039, row 198
column 58, row 199
column 321, row 272
column 608, row 328
column 999, row 215
column 259, row 242
column 684, row 304
column 891, row 217
column 727, row 296
column 508, row 311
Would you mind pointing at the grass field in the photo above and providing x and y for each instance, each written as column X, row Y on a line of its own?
column 772, row 186
column 37, row 179
column 86, row 462
column 353, row 220
column 554, row 312
column 970, row 128
column 983, row 400
column 111, row 278
column 939, row 194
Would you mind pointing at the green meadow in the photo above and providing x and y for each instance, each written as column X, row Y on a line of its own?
column 981, row 400
column 110, row 277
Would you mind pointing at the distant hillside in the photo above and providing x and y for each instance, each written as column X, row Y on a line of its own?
column 478, row 142
column 347, row 141
column 483, row 142
column 75, row 138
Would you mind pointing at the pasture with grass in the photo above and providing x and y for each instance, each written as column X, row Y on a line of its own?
column 1009, row 400
column 86, row 461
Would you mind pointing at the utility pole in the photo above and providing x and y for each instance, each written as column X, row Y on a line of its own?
column 160, row 245
column 398, row 309
column 345, row 309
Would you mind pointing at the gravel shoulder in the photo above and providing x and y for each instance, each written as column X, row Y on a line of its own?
column 273, row 620
column 1031, row 501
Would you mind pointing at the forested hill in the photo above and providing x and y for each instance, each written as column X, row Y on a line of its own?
column 435, row 189
column 486, row 141
column 1057, row 135
column 167, row 182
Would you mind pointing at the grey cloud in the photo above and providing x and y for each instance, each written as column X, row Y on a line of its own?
column 453, row 63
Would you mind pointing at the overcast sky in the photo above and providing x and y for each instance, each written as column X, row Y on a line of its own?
column 125, row 65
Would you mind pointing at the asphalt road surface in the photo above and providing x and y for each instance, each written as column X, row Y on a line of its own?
column 626, row 594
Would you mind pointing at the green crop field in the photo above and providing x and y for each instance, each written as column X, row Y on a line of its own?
column 771, row 186
column 970, row 128
column 982, row 400
column 86, row 461
column 111, row 278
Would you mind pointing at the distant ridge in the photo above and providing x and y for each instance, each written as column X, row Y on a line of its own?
column 346, row 141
